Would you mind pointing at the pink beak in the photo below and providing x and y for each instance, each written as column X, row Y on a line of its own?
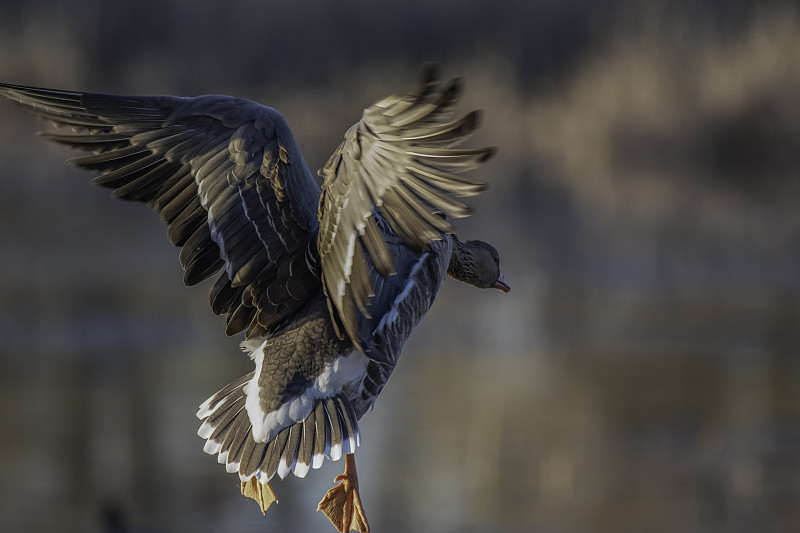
column 502, row 285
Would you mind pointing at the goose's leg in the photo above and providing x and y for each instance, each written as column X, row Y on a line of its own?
column 262, row 493
column 342, row 504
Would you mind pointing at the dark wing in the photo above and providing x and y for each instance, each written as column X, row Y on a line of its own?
column 226, row 176
column 397, row 162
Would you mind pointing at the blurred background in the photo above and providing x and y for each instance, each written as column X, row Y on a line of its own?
column 642, row 375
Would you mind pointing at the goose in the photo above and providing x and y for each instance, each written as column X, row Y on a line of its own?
column 326, row 282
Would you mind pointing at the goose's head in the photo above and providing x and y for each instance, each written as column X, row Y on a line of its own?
column 476, row 263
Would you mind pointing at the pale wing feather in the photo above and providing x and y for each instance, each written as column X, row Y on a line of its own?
column 398, row 163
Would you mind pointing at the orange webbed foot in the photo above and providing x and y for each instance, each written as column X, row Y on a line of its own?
column 262, row 493
column 342, row 503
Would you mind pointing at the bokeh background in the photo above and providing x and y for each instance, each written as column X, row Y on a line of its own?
column 643, row 374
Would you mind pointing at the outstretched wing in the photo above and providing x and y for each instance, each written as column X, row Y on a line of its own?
column 226, row 176
column 397, row 163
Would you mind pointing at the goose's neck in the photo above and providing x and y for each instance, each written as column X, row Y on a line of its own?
column 460, row 266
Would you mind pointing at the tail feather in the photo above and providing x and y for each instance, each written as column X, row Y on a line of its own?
column 256, row 455
column 350, row 436
column 322, row 436
column 305, row 453
column 289, row 456
column 329, row 431
column 336, row 429
column 277, row 446
column 223, row 422
column 226, row 392
column 238, row 425
column 237, row 446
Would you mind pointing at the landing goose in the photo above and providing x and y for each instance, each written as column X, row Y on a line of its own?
column 326, row 282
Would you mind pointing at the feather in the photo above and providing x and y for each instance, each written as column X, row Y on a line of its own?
column 336, row 430
column 239, row 319
column 289, row 454
column 254, row 458
column 181, row 180
column 225, row 413
column 232, row 391
column 93, row 142
column 246, row 454
column 322, row 435
column 231, row 435
column 217, row 429
column 305, row 453
column 276, row 452
column 199, row 257
column 234, row 457
column 348, row 427
column 144, row 187
column 112, row 160
column 375, row 246
column 187, row 222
